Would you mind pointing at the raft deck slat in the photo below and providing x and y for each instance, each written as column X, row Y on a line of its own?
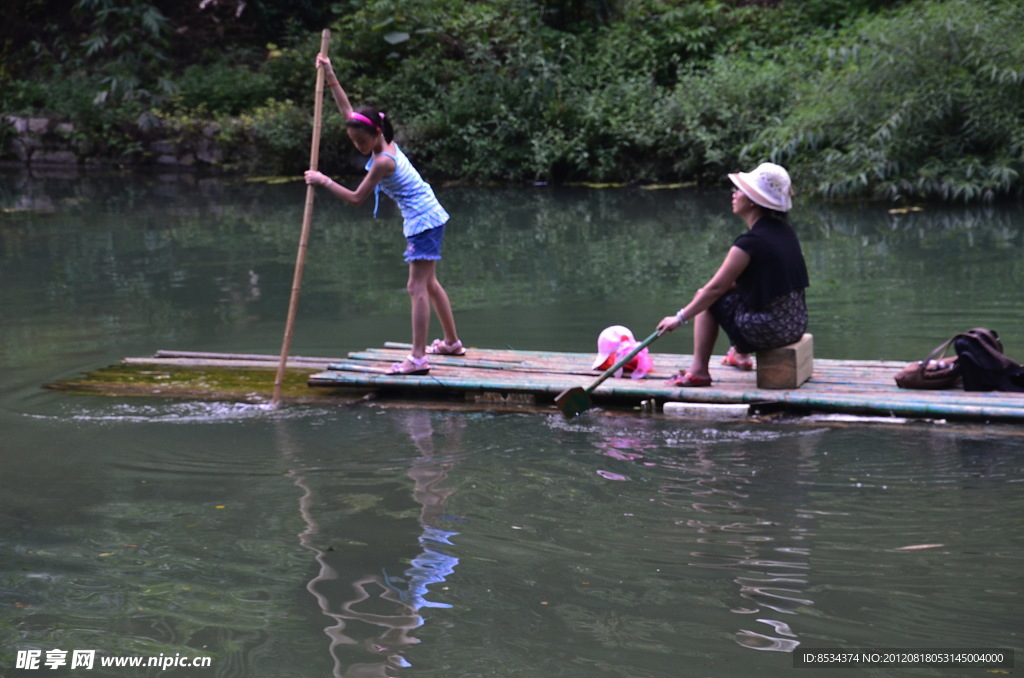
column 837, row 386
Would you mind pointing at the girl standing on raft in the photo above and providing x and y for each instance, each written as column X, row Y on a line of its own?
column 390, row 171
column 757, row 294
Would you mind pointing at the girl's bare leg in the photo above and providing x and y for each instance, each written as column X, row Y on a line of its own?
column 425, row 291
column 421, row 272
column 443, row 309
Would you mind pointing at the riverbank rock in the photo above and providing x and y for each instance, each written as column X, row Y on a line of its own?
column 39, row 141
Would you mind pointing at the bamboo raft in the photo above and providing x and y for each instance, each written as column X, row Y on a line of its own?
column 522, row 379
column 854, row 387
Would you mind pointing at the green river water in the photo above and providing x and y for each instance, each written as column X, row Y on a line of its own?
column 377, row 541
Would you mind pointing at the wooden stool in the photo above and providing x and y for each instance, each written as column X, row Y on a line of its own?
column 786, row 367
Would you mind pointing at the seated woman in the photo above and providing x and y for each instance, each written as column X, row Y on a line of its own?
column 757, row 294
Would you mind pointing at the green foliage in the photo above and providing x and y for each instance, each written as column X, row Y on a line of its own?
column 237, row 80
column 125, row 40
column 222, row 88
column 667, row 40
column 927, row 103
column 566, row 14
column 715, row 110
column 442, row 41
column 279, row 135
column 892, row 99
column 659, row 92
column 17, row 96
column 834, row 13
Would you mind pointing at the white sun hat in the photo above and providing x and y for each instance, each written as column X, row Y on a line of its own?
column 768, row 186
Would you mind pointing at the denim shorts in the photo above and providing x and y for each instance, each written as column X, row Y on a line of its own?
column 425, row 245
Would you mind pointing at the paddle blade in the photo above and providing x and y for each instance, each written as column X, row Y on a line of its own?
column 573, row 400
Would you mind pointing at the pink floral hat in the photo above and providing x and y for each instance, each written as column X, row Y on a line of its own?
column 613, row 345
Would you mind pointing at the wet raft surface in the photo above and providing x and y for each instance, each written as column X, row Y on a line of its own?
column 837, row 386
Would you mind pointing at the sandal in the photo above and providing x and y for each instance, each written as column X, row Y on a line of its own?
column 732, row 359
column 440, row 347
column 411, row 365
column 685, row 379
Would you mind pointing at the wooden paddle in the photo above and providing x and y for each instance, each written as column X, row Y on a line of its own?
column 307, row 218
column 575, row 400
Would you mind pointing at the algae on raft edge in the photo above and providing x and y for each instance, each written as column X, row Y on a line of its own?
column 205, row 383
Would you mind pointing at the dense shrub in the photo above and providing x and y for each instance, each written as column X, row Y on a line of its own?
column 714, row 111
column 222, row 88
column 926, row 103
column 892, row 99
column 662, row 93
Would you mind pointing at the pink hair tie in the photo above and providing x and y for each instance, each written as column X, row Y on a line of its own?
column 359, row 117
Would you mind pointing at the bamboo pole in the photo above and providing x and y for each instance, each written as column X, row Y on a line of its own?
column 307, row 218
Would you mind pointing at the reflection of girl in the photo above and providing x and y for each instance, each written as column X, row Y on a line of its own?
column 433, row 564
column 407, row 592
column 390, row 171
column 757, row 294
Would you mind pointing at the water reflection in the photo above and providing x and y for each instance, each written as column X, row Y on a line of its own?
column 382, row 609
column 749, row 515
column 763, row 540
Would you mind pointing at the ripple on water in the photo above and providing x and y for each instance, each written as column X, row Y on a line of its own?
column 190, row 412
column 190, row 449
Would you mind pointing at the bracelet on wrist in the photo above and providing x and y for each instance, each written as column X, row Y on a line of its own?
column 679, row 315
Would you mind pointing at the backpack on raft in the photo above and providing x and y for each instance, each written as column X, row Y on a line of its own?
column 982, row 364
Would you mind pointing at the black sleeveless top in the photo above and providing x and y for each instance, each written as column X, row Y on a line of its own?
column 777, row 267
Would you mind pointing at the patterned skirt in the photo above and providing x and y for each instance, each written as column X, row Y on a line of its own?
column 782, row 322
